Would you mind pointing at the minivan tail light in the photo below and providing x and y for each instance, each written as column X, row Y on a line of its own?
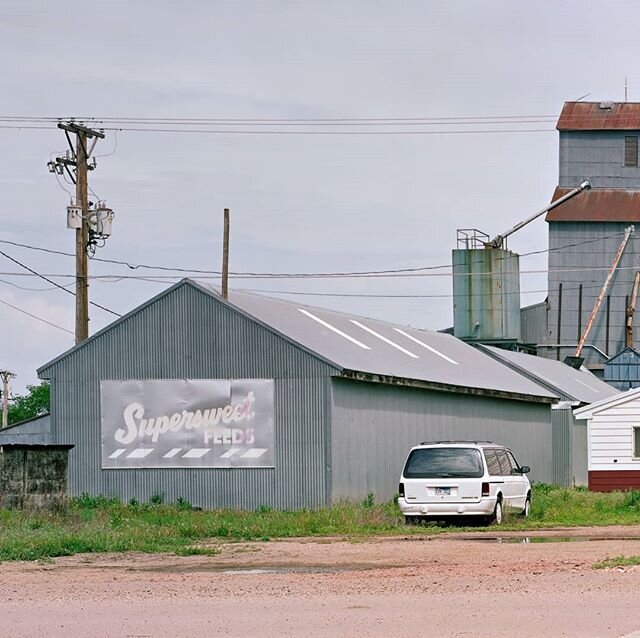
column 485, row 489
column 401, row 489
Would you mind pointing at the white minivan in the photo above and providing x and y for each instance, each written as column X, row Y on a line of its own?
column 444, row 479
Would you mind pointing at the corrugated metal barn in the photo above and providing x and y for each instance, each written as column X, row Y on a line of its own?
column 343, row 399
column 575, row 388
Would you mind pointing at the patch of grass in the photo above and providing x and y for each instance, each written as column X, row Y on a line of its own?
column 157, row 499
column 183, row 504
column 98, row 524
column 555, row 506
column 192, row 550
column 618, row 561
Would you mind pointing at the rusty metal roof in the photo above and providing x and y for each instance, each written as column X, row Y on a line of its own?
column 597, row 205
column 599, row 116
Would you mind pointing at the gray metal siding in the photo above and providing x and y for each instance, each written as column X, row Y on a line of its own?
column 188, row 334
column 373, row 427
column 562, row 421
column 534, row 323
column 587, row 264
column 579, row 455
column 597, row 155
column 569, row 448
column 623, row 372
column 486, row 294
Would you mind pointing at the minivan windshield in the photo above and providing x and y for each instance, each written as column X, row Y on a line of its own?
column 444, row 462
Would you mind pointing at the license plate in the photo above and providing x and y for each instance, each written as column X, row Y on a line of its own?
column 443, row 491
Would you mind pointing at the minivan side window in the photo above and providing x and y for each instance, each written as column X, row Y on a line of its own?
column 503, row 459
column 512, row 460
column 492, row 462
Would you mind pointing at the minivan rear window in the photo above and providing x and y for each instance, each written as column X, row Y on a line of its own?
column 444, row 463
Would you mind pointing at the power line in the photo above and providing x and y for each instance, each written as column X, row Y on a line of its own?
column 11, row 283
column 102, row 119
column 364, row 295
column 336, row 274
column 293, row 133
column 29, row 314
column 321, row 276
column 470, row 121
column 57, row 285
column 301, row 120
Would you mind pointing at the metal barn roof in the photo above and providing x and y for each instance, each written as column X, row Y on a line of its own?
column 599, row 116
column 579, row 385
column 367, row 349
column 597, row 205
column 380, row 348
column 36, row 431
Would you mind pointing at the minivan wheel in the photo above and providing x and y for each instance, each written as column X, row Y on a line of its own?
column 496, row 517
column 527, row 507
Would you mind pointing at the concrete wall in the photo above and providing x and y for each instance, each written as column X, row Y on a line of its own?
column 374, row 426
column 34, row 478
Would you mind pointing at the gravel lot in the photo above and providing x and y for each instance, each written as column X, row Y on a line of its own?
column 451, row 585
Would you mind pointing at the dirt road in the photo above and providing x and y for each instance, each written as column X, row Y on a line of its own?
column 447, row 586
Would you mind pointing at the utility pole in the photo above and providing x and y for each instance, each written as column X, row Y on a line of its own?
column 90, row 226
column 5, row 375
column 225, row 256
column 82, row 239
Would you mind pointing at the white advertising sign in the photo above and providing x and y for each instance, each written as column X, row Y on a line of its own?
column 187, row 423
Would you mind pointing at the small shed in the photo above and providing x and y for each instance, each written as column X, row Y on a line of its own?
column 33, row 469
column 575, row 388
column 613, row 436
column 622, row 371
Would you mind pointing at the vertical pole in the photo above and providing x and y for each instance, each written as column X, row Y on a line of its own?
column 559, row 320
column 82, row 241
column 605, row 288
column 606, row 335
column 5, row 375
column 5, row 398
column 626, row 314
column 579, row 313
column 225, row 256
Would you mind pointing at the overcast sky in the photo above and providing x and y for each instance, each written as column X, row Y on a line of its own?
column 298, row 202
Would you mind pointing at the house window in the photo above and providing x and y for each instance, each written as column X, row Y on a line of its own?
column 631, row 150
column 636, row 442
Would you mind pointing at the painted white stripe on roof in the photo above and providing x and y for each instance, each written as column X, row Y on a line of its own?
column 586, row 385
column 333, row 329
column 425, row 345
column 382, row 338
column 196, row 453
column 254, row 453
column 140, row 453
column 171, row 453
column 229, row 453
column 117, row 453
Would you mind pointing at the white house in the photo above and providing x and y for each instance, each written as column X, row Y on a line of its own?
column 613, row 440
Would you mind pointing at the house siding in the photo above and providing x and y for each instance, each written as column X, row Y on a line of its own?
column 614, row 481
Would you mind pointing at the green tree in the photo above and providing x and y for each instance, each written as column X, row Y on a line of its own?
column 27, row 406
